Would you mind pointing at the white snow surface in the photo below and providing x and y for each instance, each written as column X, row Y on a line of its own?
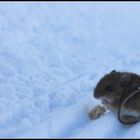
column 52, row 54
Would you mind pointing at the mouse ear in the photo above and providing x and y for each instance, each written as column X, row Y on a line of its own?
column 113, row 71
column 124, row 79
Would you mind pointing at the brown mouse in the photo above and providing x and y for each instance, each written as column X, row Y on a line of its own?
column 115, row 87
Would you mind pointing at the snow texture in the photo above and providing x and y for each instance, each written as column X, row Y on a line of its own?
column 52, row 54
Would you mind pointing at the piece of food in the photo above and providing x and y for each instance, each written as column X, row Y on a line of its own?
column 97, row 112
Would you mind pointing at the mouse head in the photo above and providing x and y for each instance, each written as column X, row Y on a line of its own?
column 111, row 86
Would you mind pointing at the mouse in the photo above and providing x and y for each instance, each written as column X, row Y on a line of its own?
column 114, row 87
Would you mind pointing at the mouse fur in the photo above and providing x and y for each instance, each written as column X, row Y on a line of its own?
column 114, row 87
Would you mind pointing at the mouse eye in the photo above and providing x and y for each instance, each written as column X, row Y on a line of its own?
column 109, row 88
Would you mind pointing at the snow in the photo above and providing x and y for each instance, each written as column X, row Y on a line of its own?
column 52, row 54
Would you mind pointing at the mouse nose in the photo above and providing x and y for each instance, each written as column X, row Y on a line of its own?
column 96, row 95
